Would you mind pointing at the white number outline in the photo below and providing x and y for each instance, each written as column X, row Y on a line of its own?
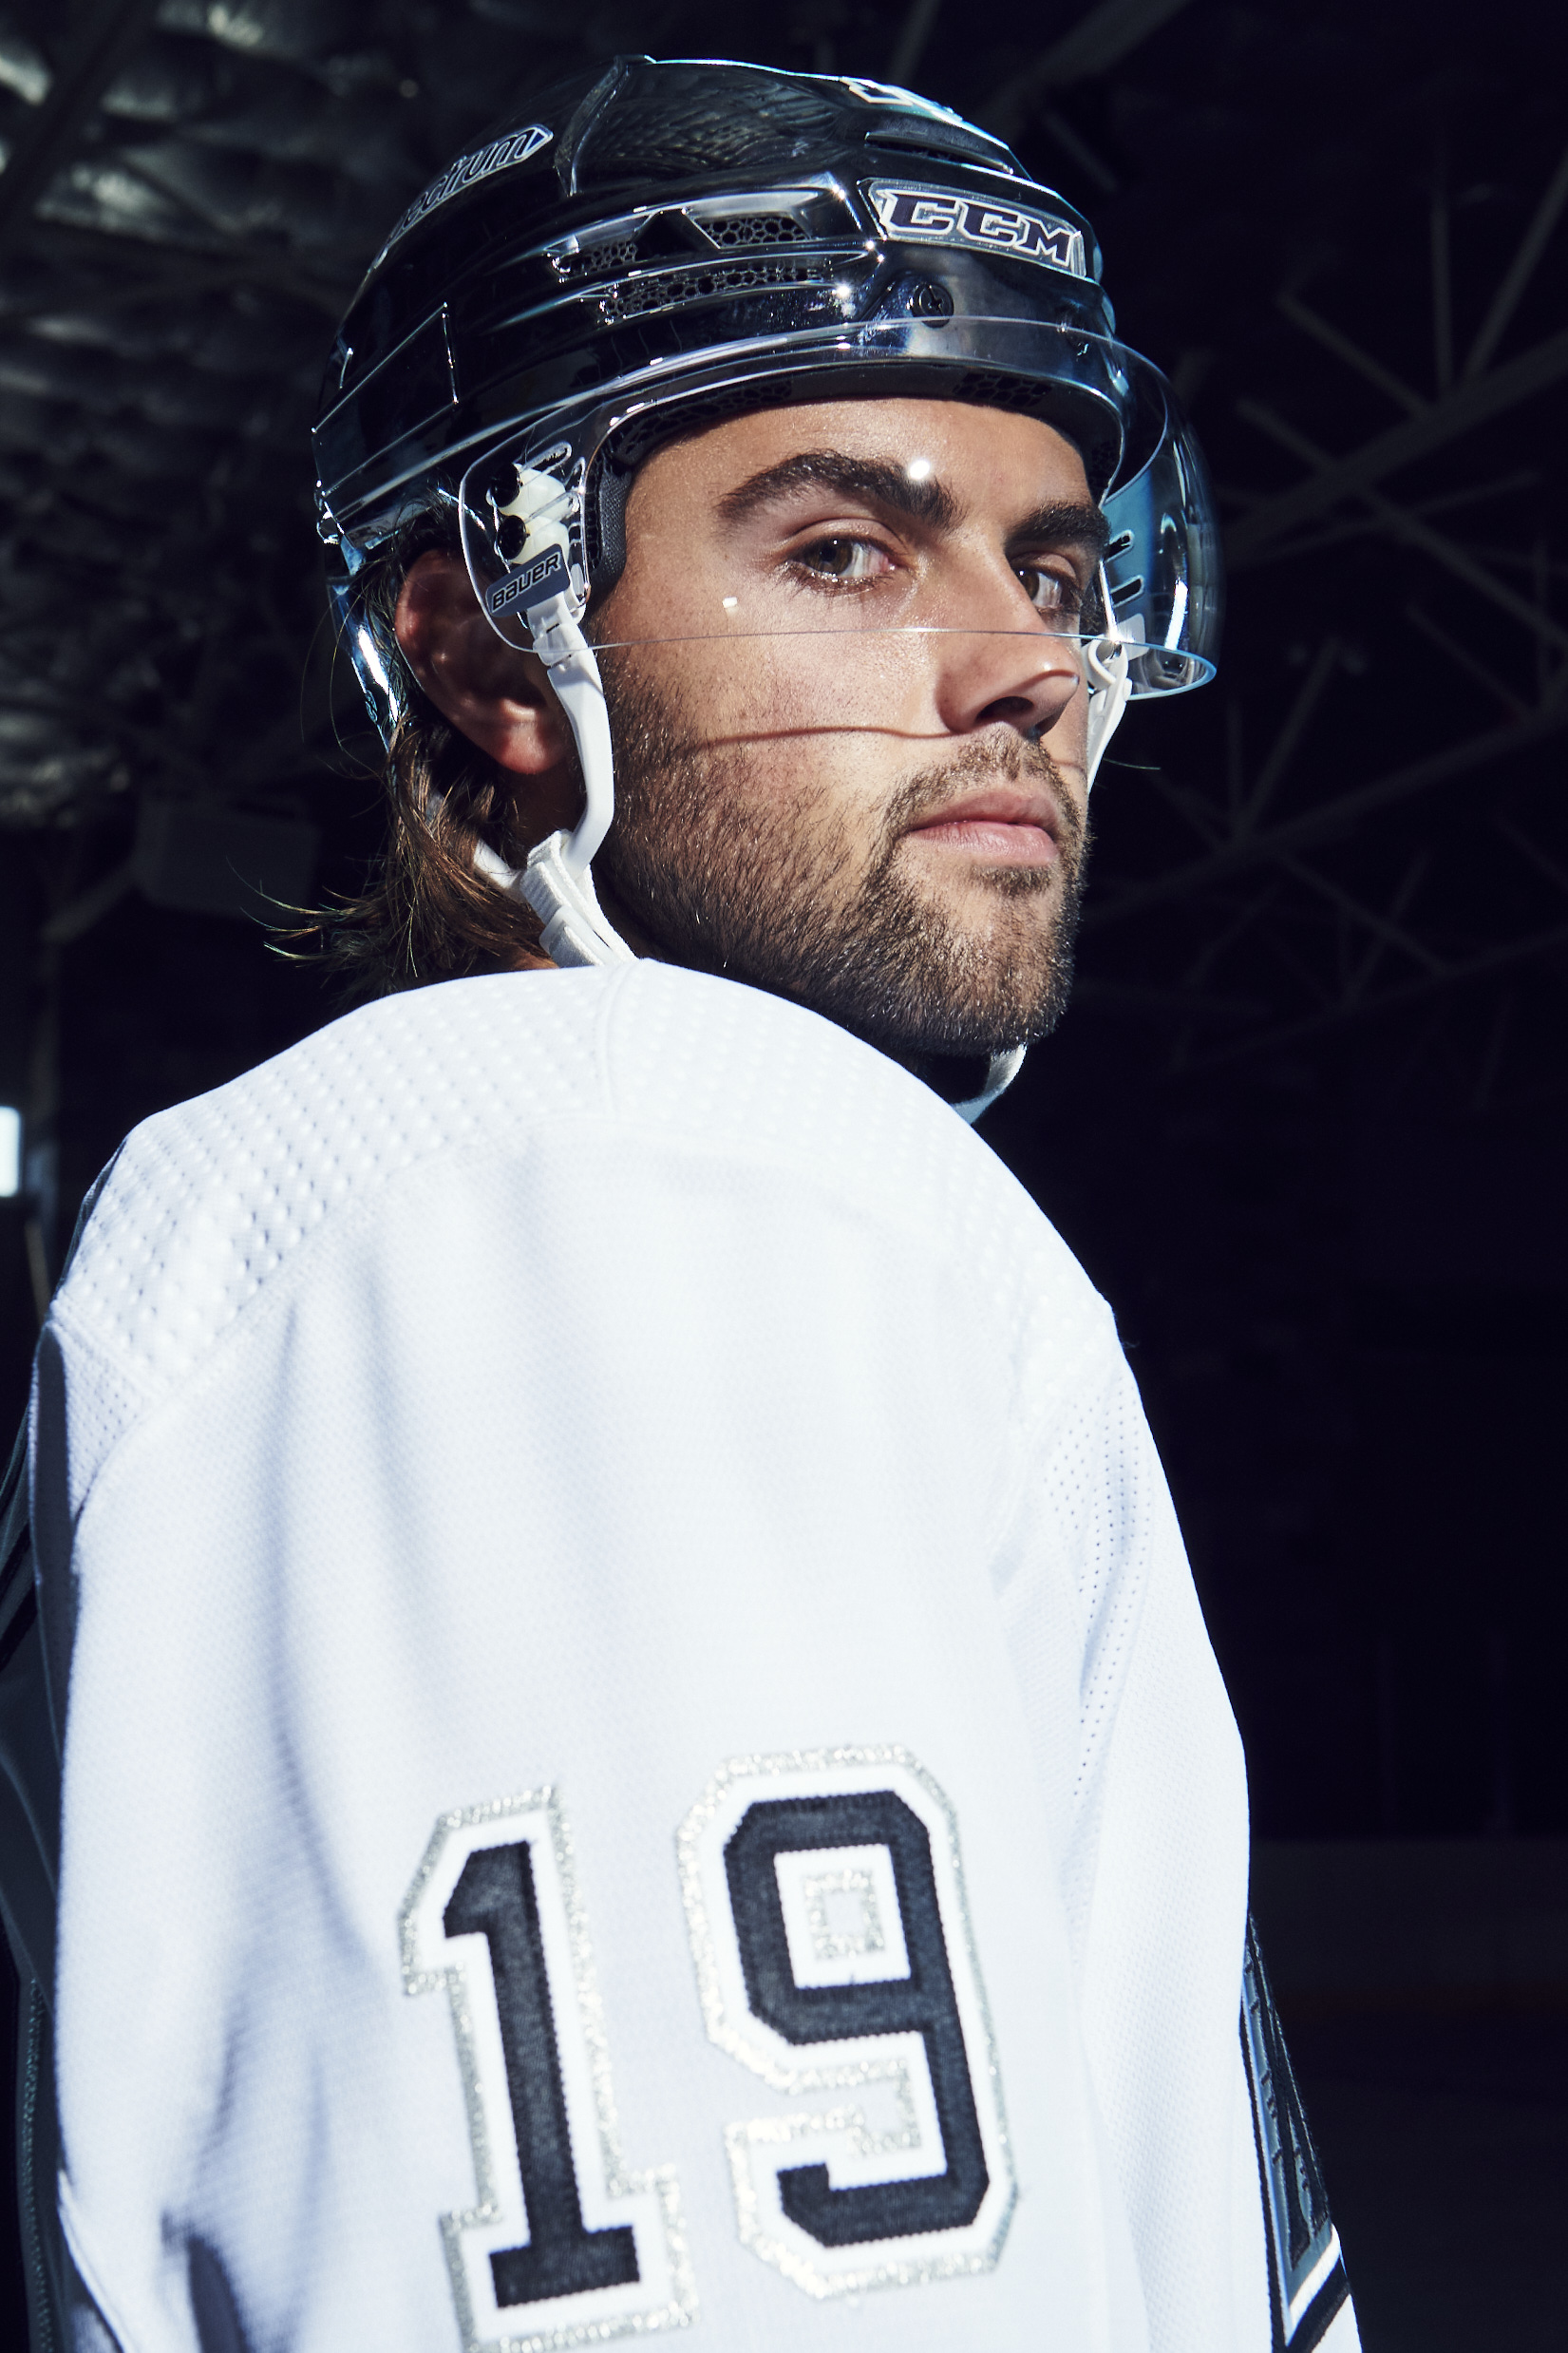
column 491, row 2132
column 902, row 2263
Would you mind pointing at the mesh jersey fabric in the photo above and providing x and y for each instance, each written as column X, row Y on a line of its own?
column 592, row 1383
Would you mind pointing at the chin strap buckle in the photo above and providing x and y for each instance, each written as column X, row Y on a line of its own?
column 1107, row 661
column 575, row 928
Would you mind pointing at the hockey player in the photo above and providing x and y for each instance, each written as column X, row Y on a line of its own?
column 614, row 1693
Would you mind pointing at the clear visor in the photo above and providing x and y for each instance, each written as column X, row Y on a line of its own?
column 947, row 523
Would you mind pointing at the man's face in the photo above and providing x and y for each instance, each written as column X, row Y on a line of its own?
column 846, row 691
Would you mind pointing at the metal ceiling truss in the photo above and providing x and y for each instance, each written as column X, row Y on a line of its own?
column 1312, row 900
column 191, row 189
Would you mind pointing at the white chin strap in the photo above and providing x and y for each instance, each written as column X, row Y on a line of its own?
column 1107, row 663
column 557, row 882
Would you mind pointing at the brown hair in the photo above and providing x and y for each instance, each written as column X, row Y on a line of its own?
column 425, row 913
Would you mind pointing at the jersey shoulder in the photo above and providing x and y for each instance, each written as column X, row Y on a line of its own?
column 206, row 1202
column 211, row 1205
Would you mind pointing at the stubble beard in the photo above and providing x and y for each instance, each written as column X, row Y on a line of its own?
column 700, row 857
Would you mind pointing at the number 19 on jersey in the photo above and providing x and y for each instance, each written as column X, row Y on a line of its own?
column 825, row 1903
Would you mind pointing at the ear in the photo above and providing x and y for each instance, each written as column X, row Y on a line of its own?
column 499, row 698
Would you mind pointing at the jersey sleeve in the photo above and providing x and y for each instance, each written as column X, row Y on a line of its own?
column 561, row 1835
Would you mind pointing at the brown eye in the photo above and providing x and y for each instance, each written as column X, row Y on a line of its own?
column 846, row 563
column 835, row 557
column 1050, row 592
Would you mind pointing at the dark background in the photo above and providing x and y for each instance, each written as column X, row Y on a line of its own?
column 1304, row 1123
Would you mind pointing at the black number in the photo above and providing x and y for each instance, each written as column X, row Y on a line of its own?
column 923, row 2003
column 495, row 1898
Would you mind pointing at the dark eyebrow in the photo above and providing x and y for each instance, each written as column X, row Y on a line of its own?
column 854, row 478
column 1063, row 526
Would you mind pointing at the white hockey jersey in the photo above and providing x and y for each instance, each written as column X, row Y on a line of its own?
column 640, row 1750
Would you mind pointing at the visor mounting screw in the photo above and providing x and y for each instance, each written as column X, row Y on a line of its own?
column 927, row 299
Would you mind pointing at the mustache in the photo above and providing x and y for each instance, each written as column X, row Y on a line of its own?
column 1013, row 759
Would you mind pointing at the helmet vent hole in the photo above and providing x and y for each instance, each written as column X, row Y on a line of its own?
column 753, row 229
column 672, row 290
column 598, row 261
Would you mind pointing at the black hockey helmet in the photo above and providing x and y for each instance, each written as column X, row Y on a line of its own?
column 665, row 241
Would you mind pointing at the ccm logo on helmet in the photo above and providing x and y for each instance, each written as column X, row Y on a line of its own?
column 535, row 579
column 936, row 216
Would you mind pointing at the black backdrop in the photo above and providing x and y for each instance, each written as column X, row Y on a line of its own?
column 1305, row 1120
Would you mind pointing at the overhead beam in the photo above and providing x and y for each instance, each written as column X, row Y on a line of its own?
column 1214, row 947
column 1334, row 339
column 1332, row 817
column 1412, row 992
column 1077, row 150
column 914, row 35
column 1541, row 860
column 1470, row 404
column 137, row 293
column 1197, row 813
column 1409, row 884
column 154, row 742
column 1147, row 996
column 1464, row 659
column 1094, row 44
column 1520, row 270
column 1406, row 526
column 1393, row 934
column 106, row 33
column 70, row 921
column 1361, row 527
column 1443, row 292
column 182, row 267
column 1298, row 719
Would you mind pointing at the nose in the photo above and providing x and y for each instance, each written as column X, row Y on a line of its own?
column 1018, row 677
column 996, row 662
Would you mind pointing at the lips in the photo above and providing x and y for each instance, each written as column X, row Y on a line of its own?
column 1012, row 826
